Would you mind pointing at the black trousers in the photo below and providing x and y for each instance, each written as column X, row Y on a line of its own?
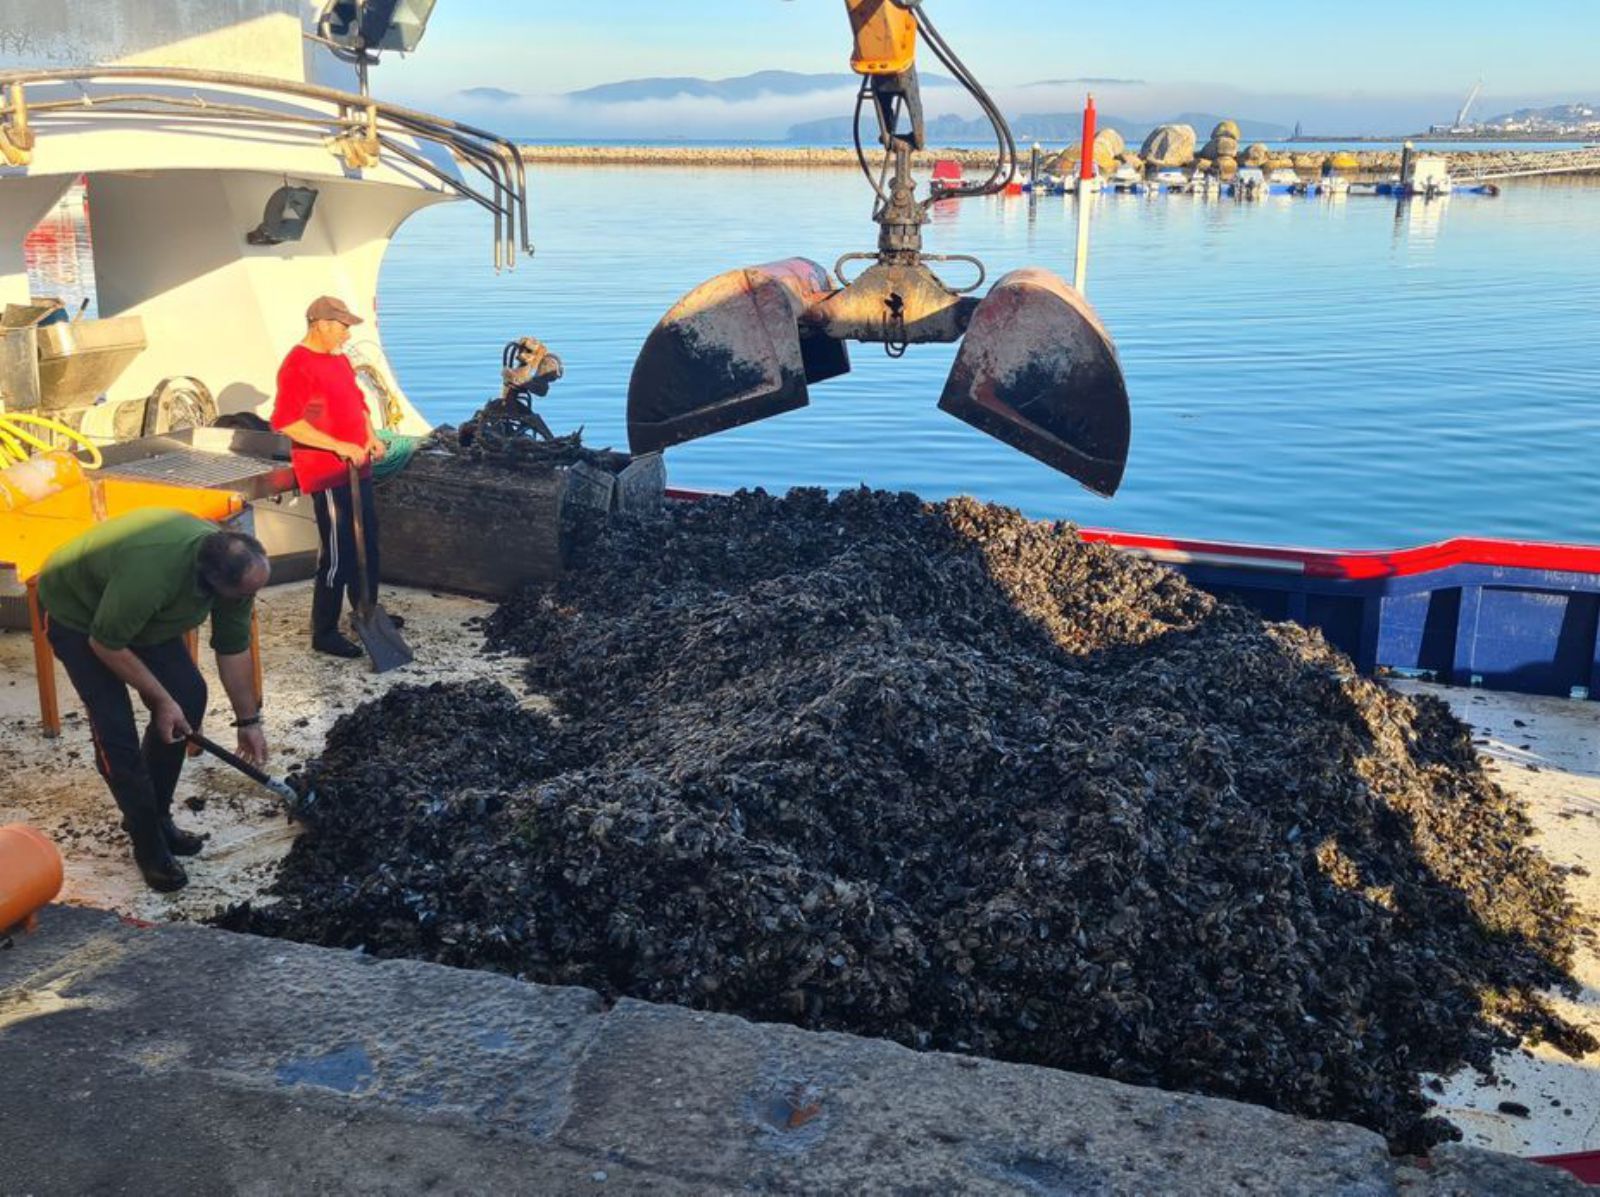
column 336, row 559
column 142, row 774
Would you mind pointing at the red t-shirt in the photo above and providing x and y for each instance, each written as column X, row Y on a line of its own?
column 321, row 389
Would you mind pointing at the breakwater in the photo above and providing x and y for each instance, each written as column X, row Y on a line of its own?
column 1466, row 162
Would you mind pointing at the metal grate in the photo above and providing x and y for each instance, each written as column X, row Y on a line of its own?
column 190, row 467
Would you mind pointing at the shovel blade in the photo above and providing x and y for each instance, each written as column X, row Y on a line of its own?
column 1038, row 371
column 382, row 640
column 729, row 353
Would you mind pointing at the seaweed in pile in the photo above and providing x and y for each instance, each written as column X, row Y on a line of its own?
column 937, row 773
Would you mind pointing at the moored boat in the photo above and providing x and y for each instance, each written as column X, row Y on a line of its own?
column 948, row 176
column 224, row 198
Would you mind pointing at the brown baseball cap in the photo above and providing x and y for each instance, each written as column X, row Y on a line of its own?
column 329, row 308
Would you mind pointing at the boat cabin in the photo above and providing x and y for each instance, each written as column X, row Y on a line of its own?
column 236, row 167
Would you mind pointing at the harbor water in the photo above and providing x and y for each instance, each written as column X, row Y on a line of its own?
column 1340, row 373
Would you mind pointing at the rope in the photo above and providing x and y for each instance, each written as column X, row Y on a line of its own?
column 16, row 445
column 399, row 452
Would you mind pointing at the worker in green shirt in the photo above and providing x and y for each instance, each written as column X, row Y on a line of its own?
column 119, row 599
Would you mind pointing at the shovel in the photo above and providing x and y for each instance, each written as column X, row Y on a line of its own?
column 376, row 630
column 281, row 788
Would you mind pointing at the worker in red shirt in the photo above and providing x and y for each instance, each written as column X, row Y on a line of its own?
column 322, row 409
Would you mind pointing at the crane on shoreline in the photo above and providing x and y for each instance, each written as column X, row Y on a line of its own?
column 1459, row 125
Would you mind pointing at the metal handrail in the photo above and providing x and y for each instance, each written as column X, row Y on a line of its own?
column 497, row 159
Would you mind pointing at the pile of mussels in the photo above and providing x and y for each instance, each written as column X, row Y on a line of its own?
column 937, row 773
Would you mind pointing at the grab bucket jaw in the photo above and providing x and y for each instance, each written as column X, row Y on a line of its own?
column 1038, row 371
column 1036, row 368
column 731, row 352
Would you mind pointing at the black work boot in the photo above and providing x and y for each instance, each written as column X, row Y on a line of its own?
column 142, row 821
column 160, row 870
column 164, row 762
column 179, row 841
column 336, row 645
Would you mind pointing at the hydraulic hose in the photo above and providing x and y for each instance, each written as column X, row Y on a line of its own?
column 1005, row 167
column 17, row 444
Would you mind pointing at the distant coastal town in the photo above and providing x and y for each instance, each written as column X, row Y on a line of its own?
column 1565, row 122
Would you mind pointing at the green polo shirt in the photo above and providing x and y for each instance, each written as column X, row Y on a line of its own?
column 135, row 580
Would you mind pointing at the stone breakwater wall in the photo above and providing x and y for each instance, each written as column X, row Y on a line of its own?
column 1370, row 161
column 762, row 156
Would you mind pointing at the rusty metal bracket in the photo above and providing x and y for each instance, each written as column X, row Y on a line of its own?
column 359, row 149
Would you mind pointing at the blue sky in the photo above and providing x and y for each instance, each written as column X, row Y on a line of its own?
column 1318, row 60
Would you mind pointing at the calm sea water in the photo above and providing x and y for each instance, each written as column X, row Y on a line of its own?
column 1350, row 373
column 1337, row 373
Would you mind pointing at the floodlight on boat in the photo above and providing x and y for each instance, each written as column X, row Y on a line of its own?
column 364, row 27
column 285, row 217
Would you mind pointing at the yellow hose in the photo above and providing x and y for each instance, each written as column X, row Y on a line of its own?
column 17, row 446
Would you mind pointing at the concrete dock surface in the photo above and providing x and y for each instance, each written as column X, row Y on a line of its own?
column 182, row 1059
column 157, row 1027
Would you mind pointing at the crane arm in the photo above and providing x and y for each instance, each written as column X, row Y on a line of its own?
column 1472, row 96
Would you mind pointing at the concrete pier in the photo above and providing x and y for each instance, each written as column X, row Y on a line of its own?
column 180, row 1059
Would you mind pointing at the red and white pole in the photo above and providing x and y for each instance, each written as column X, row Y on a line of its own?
column 1085, row 192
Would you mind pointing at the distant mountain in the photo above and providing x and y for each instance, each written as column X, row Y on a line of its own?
column 1560, row 114
column 1055, row 126
column 1204, row 122
column 1035, row 126
column 495, row 95
column 1068, row 126
column 1091, row 80
column 742, row 88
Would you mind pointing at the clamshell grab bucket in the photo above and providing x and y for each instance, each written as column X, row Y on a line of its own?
column 731, row 352
column 1036, row 368
column 1038, row 371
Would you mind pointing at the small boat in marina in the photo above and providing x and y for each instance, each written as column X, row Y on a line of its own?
column 1048, row 184
column 1250, row 184
column 1126, row 179
column 1285, row 180
column 1428, row 177
column 948, row 176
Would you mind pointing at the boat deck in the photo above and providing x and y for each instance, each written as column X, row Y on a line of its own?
column 1546, row 750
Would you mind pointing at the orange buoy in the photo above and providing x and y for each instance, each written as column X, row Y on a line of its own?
column 30, row 874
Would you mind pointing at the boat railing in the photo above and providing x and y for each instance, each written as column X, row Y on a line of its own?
column 357, row 128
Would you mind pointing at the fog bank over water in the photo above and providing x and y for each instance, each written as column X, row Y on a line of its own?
column 642, row 108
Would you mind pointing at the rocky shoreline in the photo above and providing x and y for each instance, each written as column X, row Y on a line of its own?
column 812, row 158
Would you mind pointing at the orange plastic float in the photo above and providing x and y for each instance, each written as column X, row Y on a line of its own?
column 30, row 875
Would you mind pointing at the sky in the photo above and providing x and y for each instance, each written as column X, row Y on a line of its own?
column 1370, row 65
